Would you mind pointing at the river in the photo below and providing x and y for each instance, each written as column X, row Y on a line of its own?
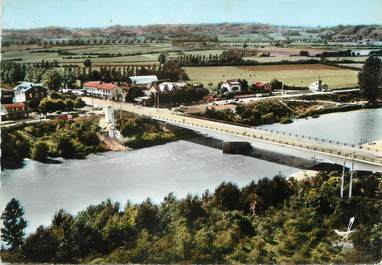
column 181, row 167
column 349, row 127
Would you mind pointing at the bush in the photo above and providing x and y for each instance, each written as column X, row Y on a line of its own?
column 285, row 120
column 39, row 151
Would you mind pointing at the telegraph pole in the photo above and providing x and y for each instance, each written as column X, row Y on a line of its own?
column 351, row 177
column 343, row 178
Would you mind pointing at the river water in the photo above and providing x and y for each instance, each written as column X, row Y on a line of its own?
column 181, row 167
column 349, row 127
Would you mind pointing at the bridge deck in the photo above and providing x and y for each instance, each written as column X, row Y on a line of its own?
column 370, row 156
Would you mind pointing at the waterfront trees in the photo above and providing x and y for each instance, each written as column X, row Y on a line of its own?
column 12, row 232
column 293, row 223
column 370, row 78
column 39, row 151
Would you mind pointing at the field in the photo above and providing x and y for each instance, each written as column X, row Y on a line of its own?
column 298, row 75
column 137, row 53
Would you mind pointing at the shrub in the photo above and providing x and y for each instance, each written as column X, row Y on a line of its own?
column 39, row 151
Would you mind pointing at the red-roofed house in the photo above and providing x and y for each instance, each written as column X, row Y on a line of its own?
column 13, row 111
column 265, row 87
column 103, row 90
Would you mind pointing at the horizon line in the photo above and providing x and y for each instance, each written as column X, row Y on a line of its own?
column 192, row 24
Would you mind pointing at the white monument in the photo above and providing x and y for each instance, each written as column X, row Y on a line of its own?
column 109, row 115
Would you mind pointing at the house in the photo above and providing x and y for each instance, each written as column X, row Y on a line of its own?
column 147, row 80
column 318, row 86
column 26, row 92
column 6, row 96
column 13, row 111
column 165, row 87
column 230, row 86
column 103, row 90
column 263, row 87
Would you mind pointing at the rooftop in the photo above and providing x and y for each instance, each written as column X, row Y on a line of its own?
column 100, row 85
column 14, row 105
column 24, row 86
column 143, row 79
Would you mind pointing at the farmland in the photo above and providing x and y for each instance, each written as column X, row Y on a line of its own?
column 130, row 53
column 298, row 75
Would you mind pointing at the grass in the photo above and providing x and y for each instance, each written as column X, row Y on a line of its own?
column 149, row 53
column 299, row 75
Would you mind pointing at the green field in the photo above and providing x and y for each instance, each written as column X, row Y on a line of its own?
column 148, row 53
column 298, row 75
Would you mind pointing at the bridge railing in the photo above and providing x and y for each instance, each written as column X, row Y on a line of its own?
column 271, row 135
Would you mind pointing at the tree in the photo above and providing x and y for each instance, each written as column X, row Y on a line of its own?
column 228, row 196
column 39, row 151
column 41, row 246
column 162, row 58
column 87, row 63
column 52, row 79
column 276, row 84
column 148, row 216
column 14, row 224
column 370, row 78
column 304, row 53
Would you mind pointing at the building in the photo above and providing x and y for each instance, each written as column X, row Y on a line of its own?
column 103, row 90
column 13, row 111
column 166, row 87
column 318, row 86
column 263, row 87
column 230, row 86
column 6, row 96
column 26, row 92
column 147, row 80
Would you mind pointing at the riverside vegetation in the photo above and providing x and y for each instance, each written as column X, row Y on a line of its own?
column 274, row 110
column 144, row 132
column 74, row 139
column 275, row 220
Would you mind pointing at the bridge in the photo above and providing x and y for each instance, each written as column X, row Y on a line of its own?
column 333, row 149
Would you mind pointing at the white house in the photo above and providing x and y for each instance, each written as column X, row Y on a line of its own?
column 165, row 87
column 143, row 79
column 318, row 86
column 103, row 90
column 230, row 86
column 27, row 91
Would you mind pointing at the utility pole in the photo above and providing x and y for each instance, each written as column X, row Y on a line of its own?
column 92, row 104
column 351, row 178
column 282, row 90
column 343, row 178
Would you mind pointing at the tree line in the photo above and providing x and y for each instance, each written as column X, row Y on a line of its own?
column 275, row 220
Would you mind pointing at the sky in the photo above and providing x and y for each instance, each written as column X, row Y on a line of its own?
column 23, row 14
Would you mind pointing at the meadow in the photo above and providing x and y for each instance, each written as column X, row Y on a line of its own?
column 298, row 75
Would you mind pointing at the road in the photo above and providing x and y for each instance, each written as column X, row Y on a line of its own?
column 330, row 148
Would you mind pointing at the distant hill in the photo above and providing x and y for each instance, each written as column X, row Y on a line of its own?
column 345, row 33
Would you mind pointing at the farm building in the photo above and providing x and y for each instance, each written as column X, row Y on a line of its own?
column 27, row 91
column 265, row 87
column 166, row 87
column 13, row 111
column 6, row 96
column 230, row 86
column 143, row 80
column 318, row 86
column 103, row 90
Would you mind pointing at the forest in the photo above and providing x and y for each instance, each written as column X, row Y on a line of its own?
column 273, row 220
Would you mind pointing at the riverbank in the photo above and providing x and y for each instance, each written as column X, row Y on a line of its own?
column 79, row 137
column 70, row 139
column 277, row 111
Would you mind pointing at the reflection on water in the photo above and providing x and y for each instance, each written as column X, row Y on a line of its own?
column 180, row 167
